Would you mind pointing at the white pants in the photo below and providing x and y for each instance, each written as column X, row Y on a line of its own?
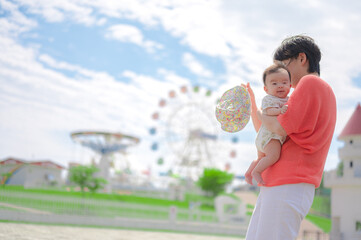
column 279, row 211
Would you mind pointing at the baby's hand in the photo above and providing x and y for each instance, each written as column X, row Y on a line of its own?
column 284, row 109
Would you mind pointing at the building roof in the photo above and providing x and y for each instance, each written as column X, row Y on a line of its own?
column 45, row 163
column 353, row 126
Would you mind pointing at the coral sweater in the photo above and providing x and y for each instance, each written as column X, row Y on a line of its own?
column 309, row 122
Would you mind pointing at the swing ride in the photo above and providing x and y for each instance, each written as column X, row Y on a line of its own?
column 105, row 144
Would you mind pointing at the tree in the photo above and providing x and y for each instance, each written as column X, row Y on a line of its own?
column 214, row 181
column 340, row 169
column 83, row 176
column 96, row 183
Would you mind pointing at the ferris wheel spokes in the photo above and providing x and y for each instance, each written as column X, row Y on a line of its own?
column 188, row 127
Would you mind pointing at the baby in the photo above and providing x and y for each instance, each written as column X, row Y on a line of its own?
column 277, row 84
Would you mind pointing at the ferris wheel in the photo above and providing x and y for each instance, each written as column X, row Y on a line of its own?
column 186, row 129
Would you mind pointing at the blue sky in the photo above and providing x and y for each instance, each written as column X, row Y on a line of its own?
column 104, row 66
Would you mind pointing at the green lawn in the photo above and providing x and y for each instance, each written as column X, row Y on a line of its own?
column 322, row 222
column 109, row 210
column 206, row 202
column 104, row 196
column 321, row 205
column 250, row 208
column 320, row 212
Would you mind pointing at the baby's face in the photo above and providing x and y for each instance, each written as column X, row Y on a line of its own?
column 278, row 84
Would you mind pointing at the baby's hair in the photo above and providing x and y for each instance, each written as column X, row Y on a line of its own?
column 274, row 68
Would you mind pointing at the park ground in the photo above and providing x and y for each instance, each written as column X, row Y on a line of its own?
column 26, row 231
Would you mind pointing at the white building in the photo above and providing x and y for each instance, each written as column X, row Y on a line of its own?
column 346, row 183
column 30, row 174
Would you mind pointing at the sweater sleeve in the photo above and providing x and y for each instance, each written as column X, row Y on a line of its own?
column 301, row 119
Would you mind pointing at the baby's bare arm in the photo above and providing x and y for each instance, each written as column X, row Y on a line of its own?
column 255, row 112
column 272, row 111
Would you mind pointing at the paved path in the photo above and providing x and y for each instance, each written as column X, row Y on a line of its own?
column 8, row 205
column 22, row 231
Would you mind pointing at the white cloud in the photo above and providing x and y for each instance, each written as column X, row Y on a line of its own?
column 129, row 33
column 40, row 106
column 58, row 11
column 16, row 22
column 243, row 35
column 195, row 66
column 81, row 72
column 172, row 77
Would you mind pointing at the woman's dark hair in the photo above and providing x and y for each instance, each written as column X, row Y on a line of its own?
column 291, row 47
column 274, row 68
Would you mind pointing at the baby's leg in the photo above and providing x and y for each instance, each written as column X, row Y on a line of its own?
column 272, row 154
column 248, row 174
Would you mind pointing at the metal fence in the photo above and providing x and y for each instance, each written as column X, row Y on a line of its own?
column 55, row 204
column 61, row 209
column 314, row 235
